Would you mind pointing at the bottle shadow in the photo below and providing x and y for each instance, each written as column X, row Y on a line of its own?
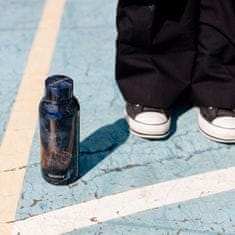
column 100, row 144
column 105, row 140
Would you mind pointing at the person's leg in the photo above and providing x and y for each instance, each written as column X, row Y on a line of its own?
column 213, row 84
column 214, row 79
column 155, row 50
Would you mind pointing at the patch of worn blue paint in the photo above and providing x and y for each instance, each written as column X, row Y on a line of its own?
column 113, row 163
column 212, row 215
column 18, row 24
column 111, row 160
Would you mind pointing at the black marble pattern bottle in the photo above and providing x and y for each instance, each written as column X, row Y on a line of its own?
column 59, row 114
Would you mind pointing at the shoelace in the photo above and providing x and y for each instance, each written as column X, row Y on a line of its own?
column 222, row 112
column 144, row 108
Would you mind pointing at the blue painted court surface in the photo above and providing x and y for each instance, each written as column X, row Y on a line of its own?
column 112, row 161
column 18, row 24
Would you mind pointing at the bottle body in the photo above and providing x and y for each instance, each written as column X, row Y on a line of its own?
column 59, row 137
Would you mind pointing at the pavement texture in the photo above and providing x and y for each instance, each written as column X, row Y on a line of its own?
column 111, row 160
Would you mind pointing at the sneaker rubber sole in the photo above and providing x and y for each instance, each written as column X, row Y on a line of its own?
column 146, row 136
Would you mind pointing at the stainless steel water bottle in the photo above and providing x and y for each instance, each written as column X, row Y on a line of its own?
column 59, row 114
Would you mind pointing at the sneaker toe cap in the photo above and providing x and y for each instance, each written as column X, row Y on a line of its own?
column 225, row 122
column 152, row 118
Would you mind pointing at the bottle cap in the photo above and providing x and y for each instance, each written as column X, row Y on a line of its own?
column 58, row 88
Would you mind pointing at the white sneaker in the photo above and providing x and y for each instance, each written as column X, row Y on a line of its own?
column 217, row 124
column 147, row 122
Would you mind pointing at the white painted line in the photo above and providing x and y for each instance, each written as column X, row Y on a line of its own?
column 116, row 206
column 17, row 140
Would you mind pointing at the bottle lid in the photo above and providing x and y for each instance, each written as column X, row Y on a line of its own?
column 58, row 88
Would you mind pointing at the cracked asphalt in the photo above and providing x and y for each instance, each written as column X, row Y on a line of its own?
column 111, row 160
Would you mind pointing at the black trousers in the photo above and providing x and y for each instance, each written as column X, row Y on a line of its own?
column 165, row 47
